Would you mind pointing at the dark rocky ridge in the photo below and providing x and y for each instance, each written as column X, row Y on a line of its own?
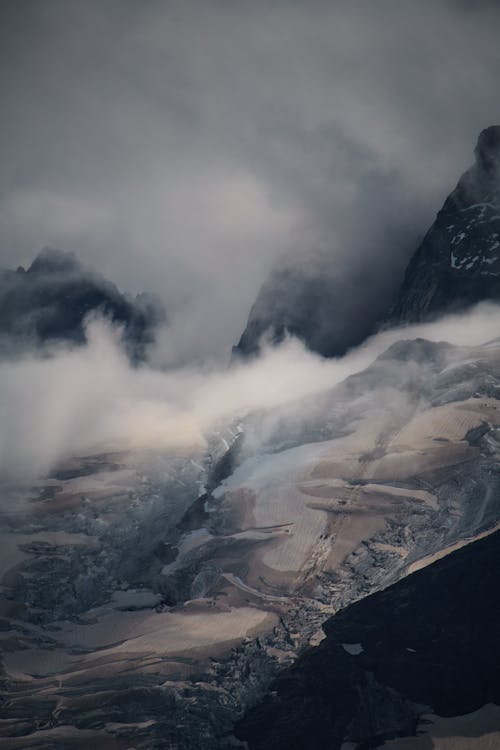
column 456, row 265
column 313, row 306
column 50, row 301
column 430, row 640
column 458, row 262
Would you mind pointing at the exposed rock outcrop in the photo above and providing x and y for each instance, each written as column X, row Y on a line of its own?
column 458, row 262
column 51, row 301
column 456, row 266
column 427, row 644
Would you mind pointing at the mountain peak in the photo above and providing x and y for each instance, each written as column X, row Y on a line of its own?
column 53, row 298
column 487, row 151
column 52, row 260
column 458, row 263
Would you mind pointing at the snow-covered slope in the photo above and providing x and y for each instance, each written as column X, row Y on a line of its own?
column 147, row 601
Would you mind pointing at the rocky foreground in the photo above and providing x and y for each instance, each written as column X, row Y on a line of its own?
column 149, row 601
column 419, row 660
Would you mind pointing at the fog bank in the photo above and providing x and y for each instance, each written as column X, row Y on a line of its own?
column 91, row 399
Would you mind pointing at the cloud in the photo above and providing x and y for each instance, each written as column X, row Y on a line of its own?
column 91, row 399
column 183, row 148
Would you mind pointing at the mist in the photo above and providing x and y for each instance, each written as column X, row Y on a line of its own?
column 91, row 399
column 185, row 148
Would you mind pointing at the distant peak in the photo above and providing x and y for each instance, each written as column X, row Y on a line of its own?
column 487, row 151
column 52, row 260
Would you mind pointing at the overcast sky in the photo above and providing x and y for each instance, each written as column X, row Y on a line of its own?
column 182, row 147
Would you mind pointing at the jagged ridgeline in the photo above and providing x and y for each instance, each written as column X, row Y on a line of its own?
column 458, row 262
column 51, row 301
column 456, row 265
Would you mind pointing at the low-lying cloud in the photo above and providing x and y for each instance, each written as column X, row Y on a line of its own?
column 91, row 399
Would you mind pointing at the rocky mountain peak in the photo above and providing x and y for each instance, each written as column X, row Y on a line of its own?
column 52, row 260
column 487, row 151
column 456, row 265
column 51, row 300
column 458, row 262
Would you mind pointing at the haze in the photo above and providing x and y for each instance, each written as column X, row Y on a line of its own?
column 183, row 147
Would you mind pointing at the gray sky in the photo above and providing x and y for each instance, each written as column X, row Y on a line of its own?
column 182, row 147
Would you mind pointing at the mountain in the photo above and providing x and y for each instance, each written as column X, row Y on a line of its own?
column 50, row 301
column 458, row 262
column 311, row 304
column 322, row 574
column 149, row 600
column 456, row 265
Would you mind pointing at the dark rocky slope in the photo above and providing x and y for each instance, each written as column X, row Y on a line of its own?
column 429, row 641
column 458, row 262
column 456, row 265
column 50, row 301
column 313, row 305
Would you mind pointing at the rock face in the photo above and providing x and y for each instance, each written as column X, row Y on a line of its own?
column 458, row 262
column 312, row 305
column 456, row 265
column 50, row 301
column 428, row 644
